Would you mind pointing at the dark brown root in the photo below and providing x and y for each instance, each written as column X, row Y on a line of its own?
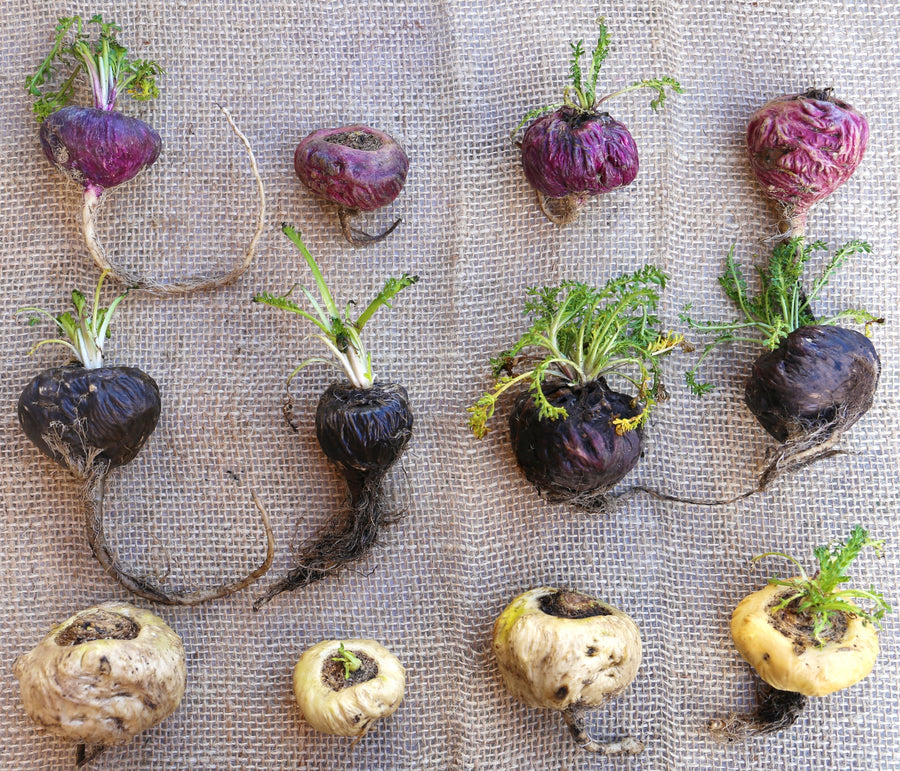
column 561, row 211
column 343, row 540
column 786, row 459
column 576, row 719
column 92, row 495
column 359, row 237
column 198, row 283
column 775, row 711
column 83, row 755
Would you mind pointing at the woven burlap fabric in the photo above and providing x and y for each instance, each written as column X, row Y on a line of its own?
column 448, row 80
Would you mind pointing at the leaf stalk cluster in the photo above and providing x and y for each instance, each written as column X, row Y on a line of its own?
column 781, row 304
column 581, row 93
column 819, row 596
column 86, row 331
column 338, row 330
column 104, row 60
column 580, row 334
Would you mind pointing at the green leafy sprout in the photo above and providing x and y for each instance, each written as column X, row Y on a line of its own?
column 338, row 330
column 780, row 307
column 104, row 60
column 581, row 94
column 86, row 331
column 580, row 333
column 819, row 596
column 348, row 659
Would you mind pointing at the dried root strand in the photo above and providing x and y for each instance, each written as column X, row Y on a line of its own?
column 787, row 458
column 94, row 488
column 345, row 538
column 561, row 211
column 359, row 237
column 775, row 711
column 576, row 719
column 197, row 283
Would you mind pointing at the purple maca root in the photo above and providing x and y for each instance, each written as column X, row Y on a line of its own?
column 578, row 150
column 803, row 147
column 356, row 167
column 98, row 147
column 572, row 153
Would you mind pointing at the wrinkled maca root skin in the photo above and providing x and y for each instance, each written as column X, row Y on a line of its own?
column 351, row 709
column 574, row 458
column 98, row 149
column 802, row 147
column 365, row 431
column 105, row 412
column 356, row 167
column 566, row 651
column 575, row 152
column 99, row 689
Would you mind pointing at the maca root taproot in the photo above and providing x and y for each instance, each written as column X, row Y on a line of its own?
column 90, row 418
column 100, row 149
column 809, row 635
column 363, row 425
column 364, row 431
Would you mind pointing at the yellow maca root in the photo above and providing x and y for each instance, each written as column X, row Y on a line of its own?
column 783, row 659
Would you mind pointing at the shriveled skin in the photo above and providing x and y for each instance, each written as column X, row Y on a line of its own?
column 107, row 411
column 581, row 453
column 569, row 152
column 802, row 147
column 366, row 429
column 103, row 691
column 360, row 168
column 352, row 710
column 819, row 377
column 552, row 662
column 789, row 660
column 99, row 149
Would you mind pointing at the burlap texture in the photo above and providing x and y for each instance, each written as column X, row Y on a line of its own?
column 448, row 80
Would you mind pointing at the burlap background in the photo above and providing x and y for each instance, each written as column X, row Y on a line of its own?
column 449, row 80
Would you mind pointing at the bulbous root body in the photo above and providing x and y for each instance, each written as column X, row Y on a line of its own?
column 566, row 651
column 103, row 676
column 98, row 149
column 90, row 421
column 802, row 147
column 356, row 167
column 102, row 149
column 579, row 458
column 778, row 644
column 106, row 412
column 570, row 155
column 810, row 390
column 336, row 704
column 365, row 431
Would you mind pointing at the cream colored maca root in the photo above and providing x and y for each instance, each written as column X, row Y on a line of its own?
column 775, row 648
column 344, row 686
column 566, row 651
column 104, row 675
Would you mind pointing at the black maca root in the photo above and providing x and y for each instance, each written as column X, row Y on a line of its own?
column 364, row 431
